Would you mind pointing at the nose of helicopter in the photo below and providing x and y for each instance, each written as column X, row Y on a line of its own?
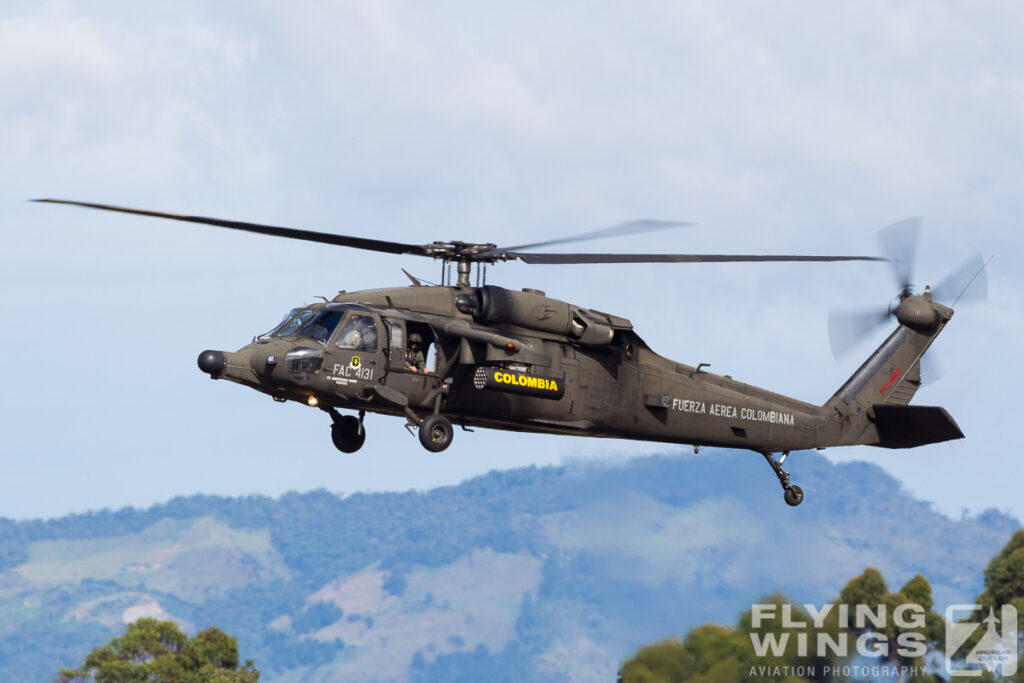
column 212, row 363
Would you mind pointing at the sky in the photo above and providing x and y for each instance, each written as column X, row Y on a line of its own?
column 784, row 127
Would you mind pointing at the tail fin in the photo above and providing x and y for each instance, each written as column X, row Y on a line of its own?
column 871, row 407
column 892, row 374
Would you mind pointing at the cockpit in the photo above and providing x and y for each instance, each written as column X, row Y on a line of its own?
column 353, row 330
column 321, row 326
column 319, row 323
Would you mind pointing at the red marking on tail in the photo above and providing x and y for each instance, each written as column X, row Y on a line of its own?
column 892, row 380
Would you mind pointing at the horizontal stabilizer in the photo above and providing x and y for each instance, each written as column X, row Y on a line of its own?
column 910, row 426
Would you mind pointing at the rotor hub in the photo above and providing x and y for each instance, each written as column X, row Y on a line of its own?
column 918, row 313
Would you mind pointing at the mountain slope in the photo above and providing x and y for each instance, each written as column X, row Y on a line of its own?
column 540, row 574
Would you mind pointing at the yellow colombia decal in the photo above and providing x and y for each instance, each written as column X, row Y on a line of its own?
column 528, row 381
column 355, row 362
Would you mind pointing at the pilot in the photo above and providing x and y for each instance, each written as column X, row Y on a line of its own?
column 414, row 359
column 353, row 338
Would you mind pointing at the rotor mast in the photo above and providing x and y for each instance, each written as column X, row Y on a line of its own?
column 462, row 268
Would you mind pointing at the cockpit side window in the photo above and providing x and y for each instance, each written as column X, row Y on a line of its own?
column 360, row 334
column 320, row 328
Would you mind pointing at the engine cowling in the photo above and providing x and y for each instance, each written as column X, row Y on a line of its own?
column 534, row 311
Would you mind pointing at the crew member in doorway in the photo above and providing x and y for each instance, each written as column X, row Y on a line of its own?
column 414, row 359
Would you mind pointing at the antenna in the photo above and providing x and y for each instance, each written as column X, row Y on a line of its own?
column 971, row 281
column 415, row 281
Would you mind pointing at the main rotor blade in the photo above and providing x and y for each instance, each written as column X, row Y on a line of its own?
column 674, row 258
column 847, row 328
column 276, row 231
column 968, row 283
column 629, row 228
column 899, row 242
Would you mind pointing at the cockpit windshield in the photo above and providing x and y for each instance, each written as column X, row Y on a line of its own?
column 291, row 322
column 322, row 325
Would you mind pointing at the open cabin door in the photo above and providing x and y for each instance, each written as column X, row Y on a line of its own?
column 404, row 373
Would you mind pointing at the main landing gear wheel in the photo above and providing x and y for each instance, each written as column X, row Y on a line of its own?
column 347, row 434
column 436, row 433
column 793, row 494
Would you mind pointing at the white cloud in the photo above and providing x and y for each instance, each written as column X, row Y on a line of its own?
column 777, row 127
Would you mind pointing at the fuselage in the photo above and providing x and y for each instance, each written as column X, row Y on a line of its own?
column 536, row 365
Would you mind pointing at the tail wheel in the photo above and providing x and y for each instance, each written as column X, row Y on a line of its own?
column 436, row 433
column 794, row 495
column 347, row 435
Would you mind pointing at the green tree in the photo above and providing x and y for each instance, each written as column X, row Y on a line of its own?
column 710, row 654
column 1004, row 585
column 909, row 624
column 153, row 651
column 1004, row 579
column 720, row 654
column 667, row 660
column 868, row 589
column 917, row 629
column 767, row 646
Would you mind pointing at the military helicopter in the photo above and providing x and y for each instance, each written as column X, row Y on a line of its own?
column 522, row 361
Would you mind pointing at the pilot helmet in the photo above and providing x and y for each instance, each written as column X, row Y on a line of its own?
column 415, row 338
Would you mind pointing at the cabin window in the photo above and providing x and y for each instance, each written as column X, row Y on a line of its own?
column 397, row 339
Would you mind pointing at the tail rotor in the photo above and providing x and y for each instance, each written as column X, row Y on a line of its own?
column 967, row 284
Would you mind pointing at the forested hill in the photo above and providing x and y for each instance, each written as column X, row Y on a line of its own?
column 531, row 574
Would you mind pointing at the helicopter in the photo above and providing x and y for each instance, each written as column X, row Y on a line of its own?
column 480, row 355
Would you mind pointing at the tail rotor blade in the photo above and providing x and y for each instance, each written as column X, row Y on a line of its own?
column 968, row 283
column 845, row 329
column 899, row 242
column 931, row 369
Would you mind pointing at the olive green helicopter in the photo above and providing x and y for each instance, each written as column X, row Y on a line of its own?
column 478, row 355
